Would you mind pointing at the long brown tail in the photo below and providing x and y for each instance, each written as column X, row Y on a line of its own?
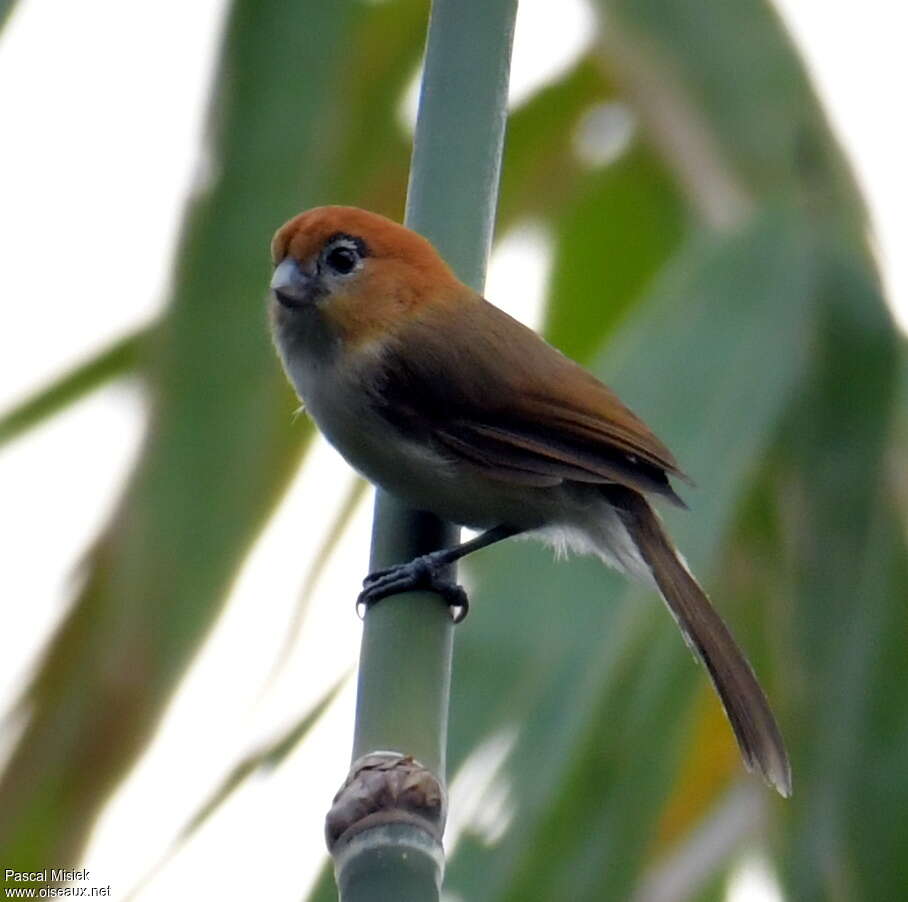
column 745, row 704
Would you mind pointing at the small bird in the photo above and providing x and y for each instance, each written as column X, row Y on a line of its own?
column 447, row 402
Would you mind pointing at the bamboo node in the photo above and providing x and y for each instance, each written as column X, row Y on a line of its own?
column 386, row 787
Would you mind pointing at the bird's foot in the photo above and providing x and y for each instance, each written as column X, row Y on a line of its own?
column 424, row 572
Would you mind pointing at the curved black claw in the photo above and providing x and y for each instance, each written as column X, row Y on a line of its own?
column 420, row 573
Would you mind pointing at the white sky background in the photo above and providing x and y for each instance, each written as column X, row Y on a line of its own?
column 99, row 149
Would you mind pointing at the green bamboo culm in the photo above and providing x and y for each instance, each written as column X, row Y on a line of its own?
column 407, row 645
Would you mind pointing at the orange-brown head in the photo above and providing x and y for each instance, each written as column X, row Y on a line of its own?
column 361, row 272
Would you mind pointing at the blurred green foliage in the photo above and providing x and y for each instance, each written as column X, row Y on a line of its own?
column 754, row 340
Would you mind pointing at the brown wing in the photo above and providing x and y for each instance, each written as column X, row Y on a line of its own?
column 487, row 389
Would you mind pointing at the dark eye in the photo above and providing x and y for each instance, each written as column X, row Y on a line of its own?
column 342, row 259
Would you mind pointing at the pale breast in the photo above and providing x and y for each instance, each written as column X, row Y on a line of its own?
column 339, row 400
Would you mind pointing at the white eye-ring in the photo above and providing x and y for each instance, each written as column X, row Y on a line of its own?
column 343, row 255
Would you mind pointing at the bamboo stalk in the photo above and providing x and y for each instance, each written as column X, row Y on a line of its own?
column 407, row 645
